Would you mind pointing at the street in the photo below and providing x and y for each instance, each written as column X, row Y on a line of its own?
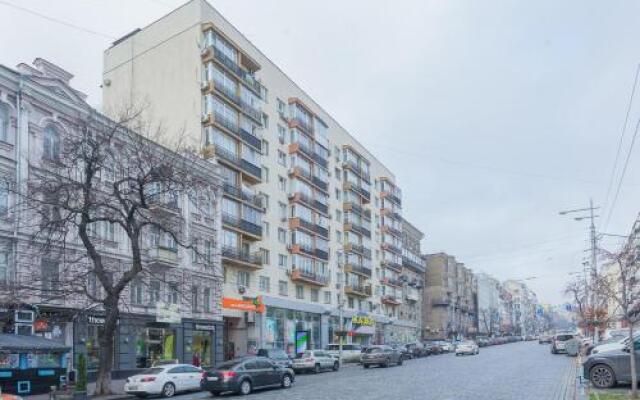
column 524, row 370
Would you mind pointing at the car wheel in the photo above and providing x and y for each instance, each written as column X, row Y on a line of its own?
column 168, row 390
column 286, row 381
column 316, row 369
column 386, row 364
column 602, row 376
column 336, row 366
column 366, row 365
column 245, row 387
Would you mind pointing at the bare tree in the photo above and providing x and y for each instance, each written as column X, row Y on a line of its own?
column 620, row 285
column 103, row 174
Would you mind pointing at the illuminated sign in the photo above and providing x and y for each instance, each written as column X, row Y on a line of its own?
column 362, row 320
column 244, row 305
column 302, row 341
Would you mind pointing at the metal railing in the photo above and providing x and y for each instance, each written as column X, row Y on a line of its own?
column 237, row 192
column 235, row 253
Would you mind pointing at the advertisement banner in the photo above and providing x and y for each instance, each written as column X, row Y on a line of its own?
column 302, row 341
column 244, row 305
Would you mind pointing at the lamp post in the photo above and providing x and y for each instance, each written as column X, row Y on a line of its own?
column 594, row 261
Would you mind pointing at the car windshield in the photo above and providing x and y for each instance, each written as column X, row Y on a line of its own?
column 373, row 350
column 229, row 364
column 564, row 338
column 152, row 371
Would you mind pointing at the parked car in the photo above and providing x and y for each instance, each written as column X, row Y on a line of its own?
column 416, row 349
column 613, row 345
column 165, row 380
column 404, row 352
column 544, row 339
column 315, row 361
column 559, row 342
column 278, row 356
column 243, row 375
column 433, row 347
column 382, row 356
column 350, row 352
column 446, row 347
column 467, row 347
column 606, row 369
column 482, row 341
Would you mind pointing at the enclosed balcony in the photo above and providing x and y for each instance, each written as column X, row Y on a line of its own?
column 358, row 268
column 246, row 227
column 295, row 223
column 358, row 249
column 391, row 300
column 392, row 248
column 391, row 282
column 310, row 202
column 357, row 209
column 392, row 265
column 313, row 278
column 360, row 191
column 358, row 290
column 358, row 228
column 358, row 169
column 163, row 256
column 243, row 195
column 309, row 177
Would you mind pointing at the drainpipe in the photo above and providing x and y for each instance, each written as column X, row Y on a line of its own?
column 17, row 173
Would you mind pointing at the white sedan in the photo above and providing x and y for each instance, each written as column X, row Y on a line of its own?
column 467, row 347
column 165, row 380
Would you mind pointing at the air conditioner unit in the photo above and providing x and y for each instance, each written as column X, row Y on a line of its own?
column 242, row 289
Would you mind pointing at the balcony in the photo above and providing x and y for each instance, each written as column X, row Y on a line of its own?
column 357, row 228
column 305, row 249
column 363, row 193
column 228, row 93
column 391, row 282
column 163, row 256
column 251, row 170
column 392, row 265
column 307, row 176
column 392, row 248
column 227, row 156
column 297, row 222
column 231, row 127
column 308, row 201
column 412, row 295
column 358, row 249
column 440, row 301
column 313, row 278
column 391, row 300
column 240, row 194
column 358, row 290
column 357, row 209
column 357, row 169
column 245, row 226
column 252, row 112
column 414, row 266
column 236, row 256
column 250, row 139
column 244, row 76
column 321, row 254
column 297, row 122
column 388, row 195
column 391, row 230
column 391, row 213
column 359, row 269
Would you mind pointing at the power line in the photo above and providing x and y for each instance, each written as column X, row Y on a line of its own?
column 624, row 171
column 58, row 21
column 620, row 142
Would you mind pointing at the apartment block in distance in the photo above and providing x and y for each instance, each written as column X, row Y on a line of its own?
column 301, row 192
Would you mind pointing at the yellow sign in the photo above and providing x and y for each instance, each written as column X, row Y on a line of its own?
column 362, row 320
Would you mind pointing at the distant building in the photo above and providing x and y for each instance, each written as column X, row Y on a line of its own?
column 488, row 304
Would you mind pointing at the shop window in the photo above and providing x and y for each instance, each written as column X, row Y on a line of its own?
column 201, row 349
column 154, row 344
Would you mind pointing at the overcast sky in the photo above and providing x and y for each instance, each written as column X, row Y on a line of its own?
column 494, row 115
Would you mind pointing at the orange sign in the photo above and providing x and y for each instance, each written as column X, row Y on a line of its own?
column 244, row 305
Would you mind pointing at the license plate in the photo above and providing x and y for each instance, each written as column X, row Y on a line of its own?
column 133, row 387
column 212, row 378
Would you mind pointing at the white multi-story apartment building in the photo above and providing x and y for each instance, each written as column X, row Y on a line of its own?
column 39, row 112
column 488, row 304
column 311, row 219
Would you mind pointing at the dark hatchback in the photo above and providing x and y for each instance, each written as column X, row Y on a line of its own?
column 243, row 375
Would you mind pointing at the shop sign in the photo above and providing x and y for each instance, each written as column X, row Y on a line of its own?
column 363, row 320
column 168, row 313
column 244, row 305
column 93, row 320
column 205, row 327
column 41, row 325
column 302, row 341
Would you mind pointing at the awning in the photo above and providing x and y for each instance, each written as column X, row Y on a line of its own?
column 19, row 343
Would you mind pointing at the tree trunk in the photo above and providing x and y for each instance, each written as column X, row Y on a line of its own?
column 632, row 353
column 106, row 339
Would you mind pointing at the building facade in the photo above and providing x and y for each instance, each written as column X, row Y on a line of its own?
column 449, row 306
column 524, row 308
column 312, row 223
column 488, row 304
column 413, row 267
column 38, row 110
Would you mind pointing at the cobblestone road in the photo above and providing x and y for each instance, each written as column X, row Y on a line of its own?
column 516, row 371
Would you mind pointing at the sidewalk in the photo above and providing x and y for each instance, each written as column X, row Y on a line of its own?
column 117, row 387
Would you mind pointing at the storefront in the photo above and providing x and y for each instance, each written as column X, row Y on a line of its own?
column 359, row 328
column 401, row 332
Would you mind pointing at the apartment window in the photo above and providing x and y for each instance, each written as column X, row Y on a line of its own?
column 265, row 121
column 265, row 200
column 265, row 229
column 282, row 158
column 194, row 299
column 4, row 198
column 282, row 134
column 51, row 144
column 137, row 294
column 376, row 201
column 265, row 256
column 339, row 236
column 265, row 147
column 282, row 208
column 243, row 278
column 282, row 107
column 206, row 300
column 370, row 306
column 338, row 174
column 283, row 288
column 327, row 297
column 282, row 183
column 338, row 215
column 50, row 275
column 265, row 284
column 315, row 295
column 265, row 174
column 299, row 292
column 350, row 302
column 172, row 293
column 376, row 184
column 4, row 122
column 154, row 292
column 282, row 260
column 282, row 235
column 338, row 194
column 336, row 151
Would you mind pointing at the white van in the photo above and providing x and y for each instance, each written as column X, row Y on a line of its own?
column 350, row 352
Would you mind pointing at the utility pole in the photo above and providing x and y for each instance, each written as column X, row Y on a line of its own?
column 590, row 296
